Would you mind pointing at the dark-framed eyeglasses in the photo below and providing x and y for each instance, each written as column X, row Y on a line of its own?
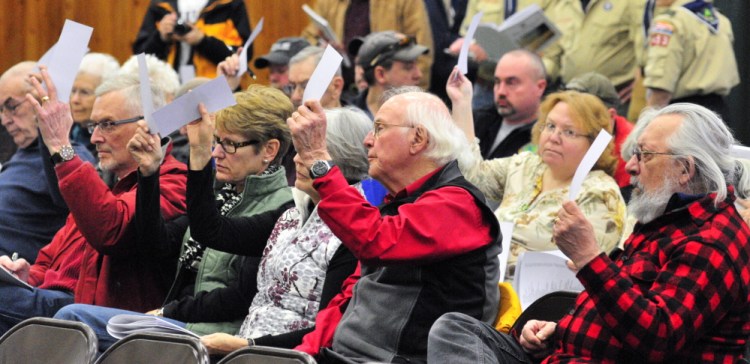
column 230, row 147
column 638, row 153
column 9, row 107
column 107, row 126
column 391, row 49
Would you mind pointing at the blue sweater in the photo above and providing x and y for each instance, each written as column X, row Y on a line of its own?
column 31, row 209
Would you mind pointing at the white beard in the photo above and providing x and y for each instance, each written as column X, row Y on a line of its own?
column 647, row 206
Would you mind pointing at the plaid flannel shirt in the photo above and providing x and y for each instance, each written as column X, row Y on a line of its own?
column 677, row 293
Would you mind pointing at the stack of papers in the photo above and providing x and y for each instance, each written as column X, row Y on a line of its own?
column 539, row 273
column 121, row 326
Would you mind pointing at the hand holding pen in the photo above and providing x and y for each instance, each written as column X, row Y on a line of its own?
column 18, row 267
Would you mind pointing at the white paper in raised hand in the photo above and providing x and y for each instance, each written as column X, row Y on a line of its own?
column 506, row 228
column 588, row 161
column 63, row 65
column 215, row 94
column 740, row 151
column 323, row 74
column 243, row 55
column 463, row 57
column 147, row 100
column 46, row 57
column 187, row 73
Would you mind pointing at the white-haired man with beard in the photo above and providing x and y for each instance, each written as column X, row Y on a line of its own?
column 679, row 290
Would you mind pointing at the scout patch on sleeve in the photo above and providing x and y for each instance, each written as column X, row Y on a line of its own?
column 661, row 33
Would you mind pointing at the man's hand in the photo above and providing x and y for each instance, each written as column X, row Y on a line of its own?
column 146, row 149
column 53, row 116
column 308, row 127
column 229, row 68
column 165, row 26
column 200, row 135
column 20, row 268
column 459, row 88
column 574, row 235
column 535, row 337
column 221, row 343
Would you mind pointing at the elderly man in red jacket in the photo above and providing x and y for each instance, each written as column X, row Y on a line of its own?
column 95, row 257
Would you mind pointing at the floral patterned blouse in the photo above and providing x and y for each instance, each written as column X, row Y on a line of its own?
column 291, row 272
column 516, row 182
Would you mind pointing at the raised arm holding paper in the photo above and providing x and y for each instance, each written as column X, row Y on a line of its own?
column 531, row 187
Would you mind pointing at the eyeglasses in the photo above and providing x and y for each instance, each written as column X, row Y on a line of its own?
column 293, row 86
column 379, row 126
column 567, row 134
column 8, row 108
column 388, row 51
column 230, row 147
column 107, row 126
column 638, row 153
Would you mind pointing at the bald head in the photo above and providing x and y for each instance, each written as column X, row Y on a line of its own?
column 17, row 75
column 520, row 81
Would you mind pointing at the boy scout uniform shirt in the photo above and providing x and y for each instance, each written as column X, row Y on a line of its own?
column 601, row 39
column 686, row 58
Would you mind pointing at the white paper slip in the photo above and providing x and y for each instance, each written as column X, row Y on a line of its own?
column 506, row 228
column 63, row 65
column 120, row 326
column 323, row 74
column 463, row 57
column 215, row 94
column 147, row 100
column 187, row 73
column 539, row 273
column 588, row 161
column 243, row 54
column 46, row 57
column 740, row 151
column 9, row 278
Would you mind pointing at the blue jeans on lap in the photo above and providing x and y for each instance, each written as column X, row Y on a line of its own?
column 18, row 304
column 97, row 317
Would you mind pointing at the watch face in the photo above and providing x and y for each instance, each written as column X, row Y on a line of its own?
column 319, row 168
column 67, row 153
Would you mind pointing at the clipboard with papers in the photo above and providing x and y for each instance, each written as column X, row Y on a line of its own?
column 529, row 29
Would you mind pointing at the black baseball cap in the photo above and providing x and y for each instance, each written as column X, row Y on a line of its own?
column 282, row 51
column 378, row 47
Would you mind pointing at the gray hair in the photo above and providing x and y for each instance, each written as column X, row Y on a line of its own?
column 129, row 86
column 346, row 130
column 447, row 141
column 22, row 69
column 704, row 136
column 534, row 61
column 310, row 52
column 160, row 73
column 101, row 65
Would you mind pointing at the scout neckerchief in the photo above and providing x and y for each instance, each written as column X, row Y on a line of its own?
column 700, row 8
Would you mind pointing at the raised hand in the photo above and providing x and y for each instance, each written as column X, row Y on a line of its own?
column 200, row 135
column 574, row 235
column 165, row 26
column 146, row 149
column 54, row 117
column 229, row 68
column 308, row 127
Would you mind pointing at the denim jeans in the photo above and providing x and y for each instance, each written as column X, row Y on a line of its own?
column 97, row 317
column 18, row 304
column 457, row 338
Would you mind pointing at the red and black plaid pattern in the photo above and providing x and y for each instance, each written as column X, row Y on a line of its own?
column 678, row 293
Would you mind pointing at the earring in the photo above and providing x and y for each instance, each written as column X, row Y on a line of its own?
column 265, row 161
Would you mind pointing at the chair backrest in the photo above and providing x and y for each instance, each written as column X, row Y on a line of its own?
column 143, row 348
column 45, row 340
column 267, row 355
column 550, row 307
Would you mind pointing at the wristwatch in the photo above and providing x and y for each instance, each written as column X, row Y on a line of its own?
column 65, row 154
column 320, row 168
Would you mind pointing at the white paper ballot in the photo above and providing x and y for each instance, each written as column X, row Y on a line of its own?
column 63, row 65
column 595, row 151
column 187, row 73
column 147, row 100
column 539, row 273
column 123, row 325
column 215, row 94
column 322, row 75
column 740, row 151
column 506, row 228
column 463, row 57
column 45, row 58
column 243, row 54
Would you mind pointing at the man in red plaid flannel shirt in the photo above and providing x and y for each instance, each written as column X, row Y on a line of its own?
column 680, row 290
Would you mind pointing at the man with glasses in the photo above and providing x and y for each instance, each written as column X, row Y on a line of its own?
column 430, row 248
column 679, row 290
column 31, row 208
column 94, row 258
column 388, row 59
